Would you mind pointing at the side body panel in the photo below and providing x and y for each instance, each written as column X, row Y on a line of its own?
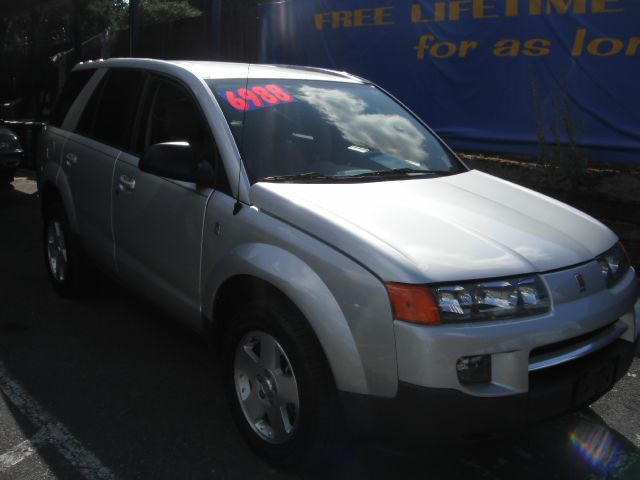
column 50, row 145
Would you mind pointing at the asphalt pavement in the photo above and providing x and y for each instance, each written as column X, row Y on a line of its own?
column 111, row 387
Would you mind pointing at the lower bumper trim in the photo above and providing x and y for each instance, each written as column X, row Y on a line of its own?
column 432, row 414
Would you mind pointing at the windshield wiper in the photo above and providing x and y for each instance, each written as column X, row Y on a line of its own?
column 306, row 177
column 400, row 172
column 380, row 174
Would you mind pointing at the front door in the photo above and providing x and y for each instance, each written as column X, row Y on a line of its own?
column 157, row 221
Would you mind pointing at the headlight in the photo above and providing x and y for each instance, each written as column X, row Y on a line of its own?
column 491, row 299
column 614, row 264
column 469, row 301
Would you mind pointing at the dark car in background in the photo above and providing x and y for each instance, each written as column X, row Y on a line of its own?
column 11, row 154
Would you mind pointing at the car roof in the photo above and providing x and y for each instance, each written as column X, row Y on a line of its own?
column 222, row 70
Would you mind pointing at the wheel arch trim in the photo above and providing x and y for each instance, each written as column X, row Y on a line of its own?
column 309, row 294
column 64, row 190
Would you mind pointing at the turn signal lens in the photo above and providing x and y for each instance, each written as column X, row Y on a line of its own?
column 413, row 303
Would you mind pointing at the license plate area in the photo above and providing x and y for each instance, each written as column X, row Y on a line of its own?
column 594, row 383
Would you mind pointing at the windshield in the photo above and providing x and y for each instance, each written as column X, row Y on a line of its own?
column 319, row 131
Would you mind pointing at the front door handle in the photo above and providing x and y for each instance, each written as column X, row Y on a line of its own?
column 127, row 182
column 71, row 159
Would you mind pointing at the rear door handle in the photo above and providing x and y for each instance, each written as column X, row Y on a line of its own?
column 71, row 159
column 127, row 182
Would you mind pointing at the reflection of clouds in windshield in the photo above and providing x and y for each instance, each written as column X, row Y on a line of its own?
column 387, row 133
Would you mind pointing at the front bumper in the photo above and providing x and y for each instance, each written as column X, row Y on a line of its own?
column 431, row 414
column 578, row 324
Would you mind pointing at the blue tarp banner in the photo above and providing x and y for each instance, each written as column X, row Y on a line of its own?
column 487, row 75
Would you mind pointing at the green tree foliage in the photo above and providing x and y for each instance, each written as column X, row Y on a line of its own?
column 53, row 24
column 98, row 15
column 158, row 11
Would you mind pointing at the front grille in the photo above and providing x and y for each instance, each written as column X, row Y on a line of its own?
column 546, row 350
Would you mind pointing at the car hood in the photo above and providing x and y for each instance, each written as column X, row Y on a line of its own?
column 460, row 227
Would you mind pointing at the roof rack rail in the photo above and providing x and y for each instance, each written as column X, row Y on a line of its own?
column 322, row 70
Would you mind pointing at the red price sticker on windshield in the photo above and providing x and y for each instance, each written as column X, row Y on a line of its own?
column 256, row 97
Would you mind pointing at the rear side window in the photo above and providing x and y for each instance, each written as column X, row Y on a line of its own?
column 72, row 87
column 110, row 114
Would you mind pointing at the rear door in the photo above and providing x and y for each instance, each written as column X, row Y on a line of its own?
column 158, row 222
column 51, row 143
column 89, row 157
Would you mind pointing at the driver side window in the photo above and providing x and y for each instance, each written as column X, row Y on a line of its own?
column 172, row 115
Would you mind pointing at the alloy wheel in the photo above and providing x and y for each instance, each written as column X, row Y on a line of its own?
column 266, row 387
column 57, row 251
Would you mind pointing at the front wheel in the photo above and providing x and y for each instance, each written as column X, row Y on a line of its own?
column 278, row 383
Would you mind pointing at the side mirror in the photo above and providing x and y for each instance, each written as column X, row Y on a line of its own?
column 176, row 160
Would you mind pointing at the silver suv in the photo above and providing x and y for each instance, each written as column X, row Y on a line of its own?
column 346, row 263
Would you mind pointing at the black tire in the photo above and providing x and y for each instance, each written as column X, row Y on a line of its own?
column 72, row 282
column 311, row 434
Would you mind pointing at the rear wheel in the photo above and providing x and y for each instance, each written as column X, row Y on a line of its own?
column 278, row 383
column 63, row 256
